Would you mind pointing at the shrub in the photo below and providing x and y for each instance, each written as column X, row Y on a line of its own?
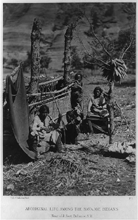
column 75, row 59
column 4, row 60
column 45, row 61
column 88, row 62
column 27, row 62
column 13, row 62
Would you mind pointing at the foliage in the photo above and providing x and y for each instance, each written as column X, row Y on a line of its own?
column 75, row 59
column 67, row 13
column 27, row 62
column 13, row 62
column 102, row 44
column 124, row 39
column 98, row 14
column 125, row 43
column 95, row 20
column 45, row 61
column 116, row 47
column 115, row 70
column 4, row 60
column 88, row 62
column 109, row 10
column 130, row 10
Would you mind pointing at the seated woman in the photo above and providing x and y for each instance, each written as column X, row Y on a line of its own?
column 44, row 132
column 97, row 107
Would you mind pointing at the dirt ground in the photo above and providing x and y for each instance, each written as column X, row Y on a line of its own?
column 84, row 169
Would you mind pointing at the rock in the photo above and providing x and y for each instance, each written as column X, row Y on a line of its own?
column 10, row 187
column 21, row 172
column 117, row 147
column 124, row 147
column 130, row 150
column 131, row 159
column 132, row 143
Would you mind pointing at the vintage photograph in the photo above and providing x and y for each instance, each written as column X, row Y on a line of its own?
column 69, row 99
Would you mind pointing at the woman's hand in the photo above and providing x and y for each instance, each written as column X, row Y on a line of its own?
column 45, row 129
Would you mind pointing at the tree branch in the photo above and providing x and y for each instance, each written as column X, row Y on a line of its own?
column 105, row 64
column 97, row 37
column 125, row 50
column 92, row 63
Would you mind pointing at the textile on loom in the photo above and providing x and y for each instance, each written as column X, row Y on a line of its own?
column 18, row 110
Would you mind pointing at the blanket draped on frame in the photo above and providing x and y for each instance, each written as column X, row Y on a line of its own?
column 19, row 112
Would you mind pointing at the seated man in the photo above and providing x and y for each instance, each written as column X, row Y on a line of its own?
column 97, row 107
column 44, row 132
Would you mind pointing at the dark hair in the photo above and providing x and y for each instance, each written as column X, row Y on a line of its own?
column 44, row 108
column 97, row 88
column 77, row 76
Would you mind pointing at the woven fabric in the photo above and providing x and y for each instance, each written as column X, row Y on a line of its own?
column 18, row 108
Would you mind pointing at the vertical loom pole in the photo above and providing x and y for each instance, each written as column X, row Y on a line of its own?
column 111, row 112
column 67, row 53
column 35, row 57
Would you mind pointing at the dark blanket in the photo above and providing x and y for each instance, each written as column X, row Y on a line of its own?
column 18, row 109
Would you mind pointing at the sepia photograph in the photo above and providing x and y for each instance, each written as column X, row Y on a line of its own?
column 69, row 102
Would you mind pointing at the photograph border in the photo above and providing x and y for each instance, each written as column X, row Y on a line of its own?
column 62, row 207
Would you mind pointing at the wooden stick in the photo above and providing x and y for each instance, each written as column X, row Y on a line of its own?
column 97, row 37
column 51, row 81
column 121, row 57
column 48, row 93
column 47, row 100
column 63, row 124
column 89, row 53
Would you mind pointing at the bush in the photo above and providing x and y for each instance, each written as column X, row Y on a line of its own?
column 13, row 62
column 27, row 62
column 88, row 62
column 4, row 60
column 109, row 11
column 124, row 40
column 45, row 61
column 75, row 59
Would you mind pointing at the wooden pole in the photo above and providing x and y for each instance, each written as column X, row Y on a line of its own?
column 111, row 112
column 35, row 57
column 67, row 53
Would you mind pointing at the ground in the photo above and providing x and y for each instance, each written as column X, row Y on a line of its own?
column 84, row 169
